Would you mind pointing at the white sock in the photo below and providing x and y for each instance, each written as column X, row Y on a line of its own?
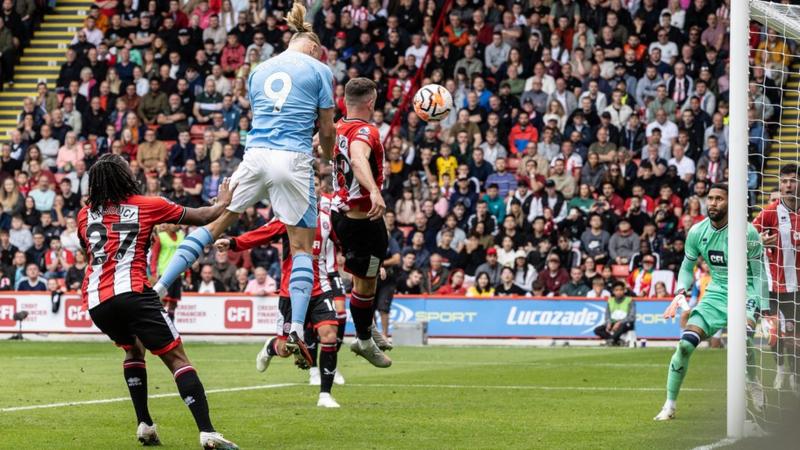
column 672, row 404
column 324, row 395
column 299, row 329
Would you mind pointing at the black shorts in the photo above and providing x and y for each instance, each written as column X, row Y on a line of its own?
column 132, row 315
column 174, row 291
column 787, row 304
column 337, row 287
column 320, row 312
column 364, row 244
column 384, row 297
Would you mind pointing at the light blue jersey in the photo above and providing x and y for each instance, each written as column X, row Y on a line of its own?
column 285, row 93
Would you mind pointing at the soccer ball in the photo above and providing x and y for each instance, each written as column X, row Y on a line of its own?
column 433, row 103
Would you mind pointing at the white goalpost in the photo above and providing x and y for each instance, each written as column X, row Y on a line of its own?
column 737, row 218
column 764, row 135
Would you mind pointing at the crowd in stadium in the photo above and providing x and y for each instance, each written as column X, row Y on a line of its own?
column 584, row 138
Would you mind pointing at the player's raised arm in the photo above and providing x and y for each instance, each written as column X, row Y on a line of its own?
column 262, row 235
column 207, row 214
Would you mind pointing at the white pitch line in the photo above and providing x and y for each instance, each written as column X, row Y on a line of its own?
column 526, row 387
column 721, row 443
column 127, row 399
column 364, row 385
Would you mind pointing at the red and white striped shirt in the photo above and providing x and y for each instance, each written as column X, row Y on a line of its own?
column 784, row 270
column 275, row 230
column 117, row 238
column 348, row 191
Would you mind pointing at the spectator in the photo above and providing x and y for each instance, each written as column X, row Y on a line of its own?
column 576, row 286
column 413, row 284
column 454, row 285
column 553, row 276
column 594, row 241
column 620, row 316
column 261, row 284
column 32, row 280
column 507, row 287
column 623, row 244
column 208, row 284
column 76, row 273
column 491, row 267
column 482, row 287
column 641, row 278
column 436, row 275
column 598, row 288
column 57, row 260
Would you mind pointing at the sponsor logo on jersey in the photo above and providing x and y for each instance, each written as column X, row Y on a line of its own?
column 363, row 131
column 8, row 307
column 75, row 315
column 238, row 314
column 717, row 258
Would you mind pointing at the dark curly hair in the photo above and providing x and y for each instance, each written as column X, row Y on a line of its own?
column 110, row 182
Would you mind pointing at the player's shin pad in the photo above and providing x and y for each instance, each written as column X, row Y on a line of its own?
column 361, row 308
column 301, row 282
column 679, row 364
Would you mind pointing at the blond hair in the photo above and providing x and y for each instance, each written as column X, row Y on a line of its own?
column 296, row 20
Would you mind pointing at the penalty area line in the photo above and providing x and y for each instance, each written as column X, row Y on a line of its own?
column 127, row 399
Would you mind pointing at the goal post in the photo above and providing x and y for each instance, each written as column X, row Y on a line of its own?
column 737, row 218
column 764, row 136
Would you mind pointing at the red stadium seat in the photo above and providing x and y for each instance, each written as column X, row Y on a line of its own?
column 513, row 164
column 620, row 271
column 405, row 230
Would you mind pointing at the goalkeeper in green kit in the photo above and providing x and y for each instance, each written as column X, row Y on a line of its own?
column 709, row 240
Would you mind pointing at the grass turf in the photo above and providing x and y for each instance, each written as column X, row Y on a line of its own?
column 442, row 397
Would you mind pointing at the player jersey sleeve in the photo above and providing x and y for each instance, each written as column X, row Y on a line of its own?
column 261, row 235
column 691, row 252
column 81, row 219
column 325, row 77
column 757, row 288
column 162, row 210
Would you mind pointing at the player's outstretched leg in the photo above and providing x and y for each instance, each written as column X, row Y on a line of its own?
column 327, row 365
column 188, row 252
column 678, row 366
column 191, row 248
column 135, row 372
column 194, row 396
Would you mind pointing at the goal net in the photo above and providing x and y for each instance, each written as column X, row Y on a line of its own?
column 773, row 115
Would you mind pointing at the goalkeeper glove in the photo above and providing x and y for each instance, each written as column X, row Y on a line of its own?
column 679, row 301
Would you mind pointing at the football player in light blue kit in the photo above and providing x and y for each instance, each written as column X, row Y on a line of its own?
column 288, row 93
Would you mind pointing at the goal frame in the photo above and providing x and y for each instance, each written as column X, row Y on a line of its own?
column 737, row 218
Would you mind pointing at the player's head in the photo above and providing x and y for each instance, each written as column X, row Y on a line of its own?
column 360, row 94
column 718, row 201
column 304, row 39
column 110, row 182
column 789, row 180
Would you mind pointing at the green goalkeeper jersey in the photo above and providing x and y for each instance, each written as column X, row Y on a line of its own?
column 712, row 244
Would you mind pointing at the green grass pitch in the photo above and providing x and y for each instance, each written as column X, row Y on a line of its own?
column 433, row 397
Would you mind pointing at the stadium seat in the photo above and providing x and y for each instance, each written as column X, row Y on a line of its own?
column 196, row 132
column 513, row 164
column 620, row 271
column 662, row 275
column 405, row 230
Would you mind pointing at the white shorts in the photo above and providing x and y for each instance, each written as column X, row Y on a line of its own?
column 284, row 178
